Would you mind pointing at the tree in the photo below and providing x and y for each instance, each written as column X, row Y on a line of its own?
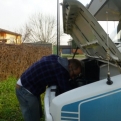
column 26, row 32
column 41, row 28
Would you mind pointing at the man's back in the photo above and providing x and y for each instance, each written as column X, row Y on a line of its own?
column 46, row 71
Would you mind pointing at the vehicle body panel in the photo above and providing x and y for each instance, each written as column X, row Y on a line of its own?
column 98, row 9
column 94, row 99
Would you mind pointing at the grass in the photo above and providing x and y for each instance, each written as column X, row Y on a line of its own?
column 78, row 56
column 9, row 106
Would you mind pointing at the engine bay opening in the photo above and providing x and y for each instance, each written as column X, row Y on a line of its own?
column 93, row 70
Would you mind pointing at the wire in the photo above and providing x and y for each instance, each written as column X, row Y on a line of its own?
column 108, row 57
column 109, row 82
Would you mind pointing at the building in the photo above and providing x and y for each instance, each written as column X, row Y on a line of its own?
column 9, row 37
column 70, row 48
column 65, row 49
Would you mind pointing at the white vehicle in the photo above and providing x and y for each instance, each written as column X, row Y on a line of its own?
column 97, row 96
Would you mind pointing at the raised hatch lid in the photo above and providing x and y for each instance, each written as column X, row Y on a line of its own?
column 86, row 32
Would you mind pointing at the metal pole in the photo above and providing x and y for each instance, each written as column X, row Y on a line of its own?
column 58, row 27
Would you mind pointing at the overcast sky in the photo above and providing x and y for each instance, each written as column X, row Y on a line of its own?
column 14, row 13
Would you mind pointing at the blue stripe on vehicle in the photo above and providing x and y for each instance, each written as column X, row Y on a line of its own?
column 102, row 105
column 68, row 119
column 74, row 105
column 69, row 114
column 102, row 109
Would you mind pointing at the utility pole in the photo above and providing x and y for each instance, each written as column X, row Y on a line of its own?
column 58, row 28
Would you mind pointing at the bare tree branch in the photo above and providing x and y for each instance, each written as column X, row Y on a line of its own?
column 41, row 28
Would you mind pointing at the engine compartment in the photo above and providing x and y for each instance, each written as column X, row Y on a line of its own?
column 93, row 70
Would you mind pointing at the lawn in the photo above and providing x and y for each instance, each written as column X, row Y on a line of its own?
column 77, row 56
column 9, row 107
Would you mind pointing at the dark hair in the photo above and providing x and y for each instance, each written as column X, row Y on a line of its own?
column 75, row 63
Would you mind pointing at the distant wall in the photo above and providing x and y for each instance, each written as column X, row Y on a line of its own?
column 79, row 51
column 14, row 59
column 67, row 49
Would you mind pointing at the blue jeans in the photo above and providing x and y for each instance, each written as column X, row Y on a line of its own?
column 30, row 105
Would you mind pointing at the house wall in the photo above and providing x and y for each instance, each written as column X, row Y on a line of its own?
column 11, row 39
column 2, row 35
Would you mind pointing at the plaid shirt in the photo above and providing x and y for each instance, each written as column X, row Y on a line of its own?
column 45, row 72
